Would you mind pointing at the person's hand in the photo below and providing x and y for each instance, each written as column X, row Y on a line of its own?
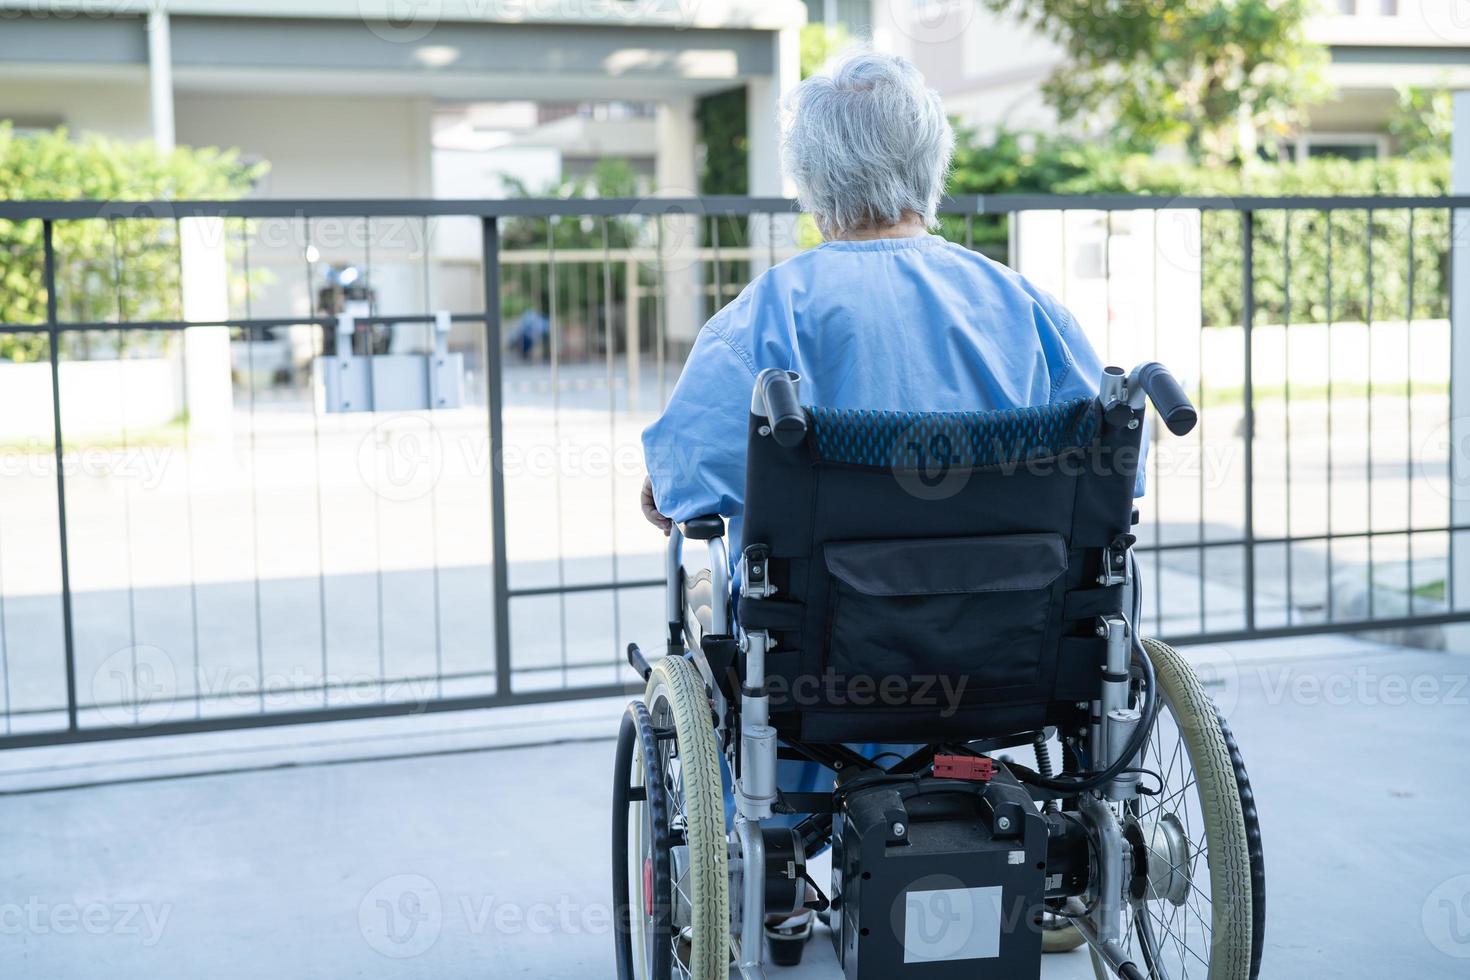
column 650, row 509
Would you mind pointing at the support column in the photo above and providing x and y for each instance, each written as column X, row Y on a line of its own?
column 209, row 394
column 683, row 303
column 1459, row 433
column 161, row 80
column 763, row 99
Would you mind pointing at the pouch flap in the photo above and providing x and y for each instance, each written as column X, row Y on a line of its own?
column 941, row 566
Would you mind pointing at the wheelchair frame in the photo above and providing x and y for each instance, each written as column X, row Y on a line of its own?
column 1120, row 718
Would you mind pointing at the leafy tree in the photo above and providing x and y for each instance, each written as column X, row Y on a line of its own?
column 1014, row 162
column 1423, row 121
column 820, row 43
column 106, row 269
column 1221, row 77
column 721, row 117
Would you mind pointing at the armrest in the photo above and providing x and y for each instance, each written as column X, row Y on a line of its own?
column 706, row 527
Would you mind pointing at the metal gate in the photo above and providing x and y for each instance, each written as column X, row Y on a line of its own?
column 195, row 537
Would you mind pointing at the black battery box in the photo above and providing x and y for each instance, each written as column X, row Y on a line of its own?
column 935, row 878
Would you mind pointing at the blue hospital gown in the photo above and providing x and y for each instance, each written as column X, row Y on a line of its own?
column 905, row 324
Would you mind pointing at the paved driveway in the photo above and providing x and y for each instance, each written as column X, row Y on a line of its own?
column 459, row 851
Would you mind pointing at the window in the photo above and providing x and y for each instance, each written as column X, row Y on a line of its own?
column 1367, row 146
column 855, row 15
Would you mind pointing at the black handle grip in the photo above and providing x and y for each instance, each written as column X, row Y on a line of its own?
column 1171, row 401
column 783, row 409
column 638, row 662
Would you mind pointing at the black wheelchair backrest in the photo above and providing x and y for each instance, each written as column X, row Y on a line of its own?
column 936, row 575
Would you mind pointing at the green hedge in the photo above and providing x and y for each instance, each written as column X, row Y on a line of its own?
column 105, row 269
column 1013, row 163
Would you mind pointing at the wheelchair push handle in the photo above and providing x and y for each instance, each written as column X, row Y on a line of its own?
column 776, row 398
column 1168, row 397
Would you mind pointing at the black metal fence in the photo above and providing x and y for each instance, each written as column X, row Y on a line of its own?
column 195, row 536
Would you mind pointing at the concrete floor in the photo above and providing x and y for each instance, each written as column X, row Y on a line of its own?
column 462, row 849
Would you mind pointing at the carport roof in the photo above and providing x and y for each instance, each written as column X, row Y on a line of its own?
column 449, row 49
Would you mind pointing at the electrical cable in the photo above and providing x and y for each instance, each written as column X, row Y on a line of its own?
column 1140, row 734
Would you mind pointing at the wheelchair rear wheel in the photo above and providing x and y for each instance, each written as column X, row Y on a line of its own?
column 1192, row 895
column 688, row 768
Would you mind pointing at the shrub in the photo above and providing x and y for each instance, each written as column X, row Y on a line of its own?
column 106, row 270
column 1017, row 163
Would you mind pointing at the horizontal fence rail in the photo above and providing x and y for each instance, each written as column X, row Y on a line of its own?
column 203, row 532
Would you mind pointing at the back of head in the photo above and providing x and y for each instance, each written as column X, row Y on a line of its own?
column 866, row 142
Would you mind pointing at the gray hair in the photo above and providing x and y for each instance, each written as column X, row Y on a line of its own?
column 867, row 141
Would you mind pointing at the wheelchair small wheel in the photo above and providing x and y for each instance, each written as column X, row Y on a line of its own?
column 1191, row 895
column 688, row 769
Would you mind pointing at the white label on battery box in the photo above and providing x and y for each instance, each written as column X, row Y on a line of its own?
column 951, row 924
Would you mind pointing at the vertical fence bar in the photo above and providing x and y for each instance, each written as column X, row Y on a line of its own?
column 1286, row 397
column 1368, row 342
column 1247, row 317
column 319, row 338
column 189, row 455
column 127, row 495
column 255, row 476
column 608, row 334
column 660, row 319
column 1154, row 487
column 1199, row 431
column 719, row 269
column 372, row 410
column 494, row 398
column 54, row 331
column 1331, row 589
column 1107, row 264
column 554, row 340
column 1409, row 415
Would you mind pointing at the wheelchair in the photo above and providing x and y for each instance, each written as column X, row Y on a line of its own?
column 960, row 588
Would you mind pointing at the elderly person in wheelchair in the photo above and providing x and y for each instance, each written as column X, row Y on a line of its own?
column 914, row 480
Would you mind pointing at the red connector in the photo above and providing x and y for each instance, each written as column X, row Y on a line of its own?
column 975, row 768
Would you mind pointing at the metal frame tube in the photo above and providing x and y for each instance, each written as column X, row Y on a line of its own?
column 719, row 580
column 673, row 568
column 753, row 897
column 1107, row 911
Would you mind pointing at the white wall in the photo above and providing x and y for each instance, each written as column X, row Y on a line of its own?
column 116, row 107
column 988, row 68
column 318, row 147
column 325, row 147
